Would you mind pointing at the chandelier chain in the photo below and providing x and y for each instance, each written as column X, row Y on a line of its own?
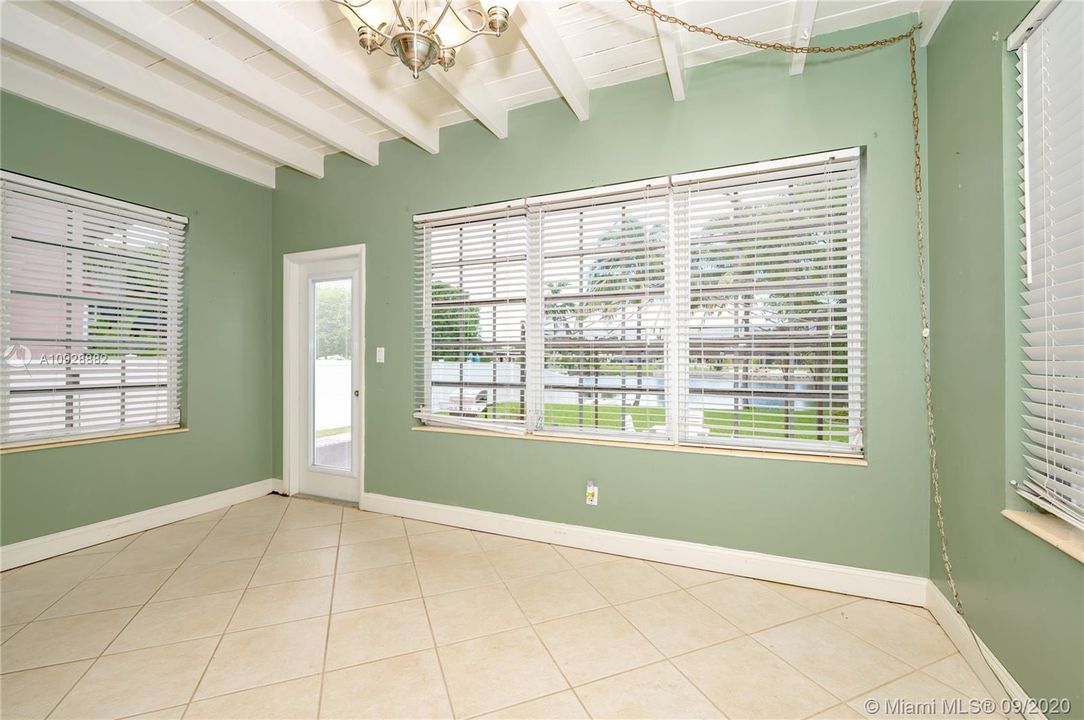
column 924, row 303
column 920, row 233
column 760, row 44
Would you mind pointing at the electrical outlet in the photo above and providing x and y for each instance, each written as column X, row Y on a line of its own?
column 592, row 493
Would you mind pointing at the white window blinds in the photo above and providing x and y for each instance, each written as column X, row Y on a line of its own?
column 1052, row 132
column 604, row 311
column 91, row 317
column 717, row 308
column 775, row 314
column 472, row 309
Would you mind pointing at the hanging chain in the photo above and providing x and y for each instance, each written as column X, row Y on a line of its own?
column 924, row 303
column 759, row 44
column 920, row 232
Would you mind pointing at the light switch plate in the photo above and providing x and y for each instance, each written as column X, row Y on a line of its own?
column 380, row 354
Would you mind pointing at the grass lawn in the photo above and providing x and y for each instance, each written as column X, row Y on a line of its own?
column 326, row 432
column 750, row 422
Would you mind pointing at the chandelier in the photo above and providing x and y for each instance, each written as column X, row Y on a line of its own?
column 421, row 32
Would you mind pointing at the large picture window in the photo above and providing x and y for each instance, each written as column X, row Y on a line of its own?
column 91, row 314
column 719, row 308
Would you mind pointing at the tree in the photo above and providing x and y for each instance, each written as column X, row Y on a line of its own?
column 114, row 329
column 630, row 261
column 636, row 266
column 333, row 321
column 452, row 320
column 811, row 310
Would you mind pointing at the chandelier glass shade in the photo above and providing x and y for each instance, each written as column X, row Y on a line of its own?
column 423, row 32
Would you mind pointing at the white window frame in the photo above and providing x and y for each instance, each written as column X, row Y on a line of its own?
column 677, row 189
column 138, row 257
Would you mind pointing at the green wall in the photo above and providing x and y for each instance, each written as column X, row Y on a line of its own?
column 228, row 288
column 1023, row 597
column 737, row 111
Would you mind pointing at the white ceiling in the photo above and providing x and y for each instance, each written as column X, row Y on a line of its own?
column 247, row 86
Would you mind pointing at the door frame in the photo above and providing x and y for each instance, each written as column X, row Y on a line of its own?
column 295, row 365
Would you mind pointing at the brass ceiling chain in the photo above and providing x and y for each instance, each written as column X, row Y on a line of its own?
column 920, row 233
column 924, row 308
column 761, row 45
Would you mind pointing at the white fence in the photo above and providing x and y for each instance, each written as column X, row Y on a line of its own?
column 332, row 393
column 507, row 373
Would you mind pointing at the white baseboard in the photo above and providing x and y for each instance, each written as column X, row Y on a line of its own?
column 47, row 546
column 994, row 676
column 907, row 589
column 278, row 485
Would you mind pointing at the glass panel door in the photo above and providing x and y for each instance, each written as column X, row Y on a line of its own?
column 331, row 361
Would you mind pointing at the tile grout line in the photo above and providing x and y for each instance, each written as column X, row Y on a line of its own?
column 231, row 693
column 943, row 682
column 330, row 606
column 151, row 601
column 803, row 673
column 534, row 631
column 540, row 697
column 69, row 591
column 886, row 651
column 531, row 625
column 750, row 635
column 664, row 656
column 911, row 671
column 225, row 628
column 809, row 613
column 94, row 662
column 578, row 570
column 428, row 619
column 669, row 660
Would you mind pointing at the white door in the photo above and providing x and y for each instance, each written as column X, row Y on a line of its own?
column 328, row 416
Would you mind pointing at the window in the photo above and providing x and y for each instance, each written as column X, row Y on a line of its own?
column 1052, row 90
column 91, row 316
column 719, row 308
column 775, row 298
column 604, row 312
column 474, row 299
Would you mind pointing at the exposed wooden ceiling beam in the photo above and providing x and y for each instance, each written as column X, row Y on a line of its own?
column 274, row 27
column 670, row 44
column 549, row 50
column 67, row 97
column 140, row 23
column 474, row 97
column 56, row 46
column 930, row 14
column 805, row 14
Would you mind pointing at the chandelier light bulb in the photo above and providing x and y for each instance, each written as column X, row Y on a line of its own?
column 368, row 40
column 498, row 19
column 420, row 34
column 446, row 58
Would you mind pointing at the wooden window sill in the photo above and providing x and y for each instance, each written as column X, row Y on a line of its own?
column 90, row 440
column 1051, row 528
column 730, row 452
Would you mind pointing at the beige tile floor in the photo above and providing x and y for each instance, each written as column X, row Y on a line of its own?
column 292, row 608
